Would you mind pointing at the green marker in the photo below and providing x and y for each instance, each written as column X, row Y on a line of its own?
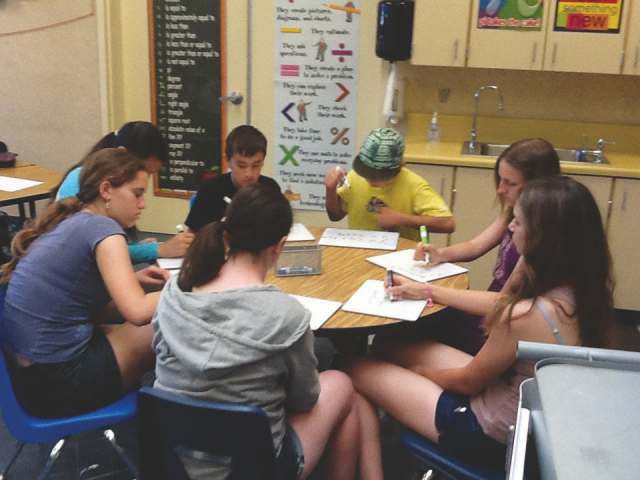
column 424, row 235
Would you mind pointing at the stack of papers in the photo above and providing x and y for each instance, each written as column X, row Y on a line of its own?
column 402, row 262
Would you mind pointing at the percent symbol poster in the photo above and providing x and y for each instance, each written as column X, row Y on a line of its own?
column 316, row 65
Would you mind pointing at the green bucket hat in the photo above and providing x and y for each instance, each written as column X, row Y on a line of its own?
column 380, row 155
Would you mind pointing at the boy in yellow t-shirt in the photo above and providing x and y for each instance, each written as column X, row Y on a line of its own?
column 380, row 194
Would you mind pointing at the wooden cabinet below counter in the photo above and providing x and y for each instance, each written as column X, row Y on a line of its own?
column 623, row 233
column 470, row 193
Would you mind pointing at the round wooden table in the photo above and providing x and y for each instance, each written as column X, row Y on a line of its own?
column 344, row 270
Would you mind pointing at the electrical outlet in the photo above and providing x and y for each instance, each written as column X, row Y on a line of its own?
column 443, row 94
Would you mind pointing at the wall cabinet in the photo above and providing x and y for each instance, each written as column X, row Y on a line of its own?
column 505, row 49
column 470, row 193
column 591, row 52
column 440, row 32
column 437, row 29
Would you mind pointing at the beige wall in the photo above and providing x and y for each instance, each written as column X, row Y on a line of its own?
column 548, row 95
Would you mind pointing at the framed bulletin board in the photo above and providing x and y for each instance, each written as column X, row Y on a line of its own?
column 187, row 80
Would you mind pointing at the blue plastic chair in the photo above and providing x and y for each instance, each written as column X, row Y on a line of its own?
column 431, row 457
column 29, row 429
column 170, row 426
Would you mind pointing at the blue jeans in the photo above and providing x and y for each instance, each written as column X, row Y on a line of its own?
column 290, row 462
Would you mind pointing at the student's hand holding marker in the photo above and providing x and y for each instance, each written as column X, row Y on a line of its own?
column 424, row 248
column 335, row 178
column 177, row 245
column 404, row 288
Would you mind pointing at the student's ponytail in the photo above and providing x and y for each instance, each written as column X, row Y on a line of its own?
column 204, row 258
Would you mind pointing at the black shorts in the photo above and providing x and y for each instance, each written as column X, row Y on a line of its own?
column 461, row 434
column 85, row 383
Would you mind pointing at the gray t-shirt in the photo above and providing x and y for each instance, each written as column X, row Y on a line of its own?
column 56, row 289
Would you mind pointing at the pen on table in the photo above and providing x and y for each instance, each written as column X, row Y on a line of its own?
column 343, row 179
column 390, row 281
column 180, row 228
column 424, row 234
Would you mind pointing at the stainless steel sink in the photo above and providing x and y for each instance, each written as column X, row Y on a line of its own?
column 565, row 154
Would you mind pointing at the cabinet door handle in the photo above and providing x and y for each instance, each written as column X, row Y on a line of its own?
column 535, row 50
column 609, row 204
column 635, row 61
column 553, row 56
column 624, row 200
column 442, row 187
column 455, row 49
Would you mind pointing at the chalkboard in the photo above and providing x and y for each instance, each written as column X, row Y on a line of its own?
column 188, row 75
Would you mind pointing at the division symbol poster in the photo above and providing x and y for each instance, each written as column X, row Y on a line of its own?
column 316, row 65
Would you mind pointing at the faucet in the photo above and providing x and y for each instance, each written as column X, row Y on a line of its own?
column 472, row 142
column 598, row 152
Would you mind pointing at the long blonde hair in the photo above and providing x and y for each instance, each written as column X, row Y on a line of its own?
column 114, row 165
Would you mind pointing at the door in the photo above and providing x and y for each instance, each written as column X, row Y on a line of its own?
column 127, row 48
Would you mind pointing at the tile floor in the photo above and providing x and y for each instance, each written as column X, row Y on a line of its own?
column 83, row 450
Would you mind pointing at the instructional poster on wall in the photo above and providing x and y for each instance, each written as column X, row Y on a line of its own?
column 593, row 16
column 510, row 14
column 316, row 64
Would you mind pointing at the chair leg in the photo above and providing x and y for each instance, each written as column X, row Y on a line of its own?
column 13, row 459
column 53, row 456
column 112, row 439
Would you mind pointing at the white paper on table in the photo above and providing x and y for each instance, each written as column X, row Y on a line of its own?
column 10, row 184
column 299, row 233
column 402, row 262
column 170, row 263
column 342, row 237
column 370, row 299
column 321, row 310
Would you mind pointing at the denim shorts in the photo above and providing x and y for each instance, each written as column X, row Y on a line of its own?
column 462, row 436
column 290, row 461
column 87, row 382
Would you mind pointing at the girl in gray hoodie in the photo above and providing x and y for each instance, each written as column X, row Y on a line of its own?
column 221, row 334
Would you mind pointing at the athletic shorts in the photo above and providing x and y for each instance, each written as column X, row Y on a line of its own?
column 85, row 383
column 462, row 436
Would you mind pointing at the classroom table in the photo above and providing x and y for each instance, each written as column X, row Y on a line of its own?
column 343, row 271
column 24, row 170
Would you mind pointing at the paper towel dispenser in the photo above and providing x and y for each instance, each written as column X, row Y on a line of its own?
column 395, row 29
